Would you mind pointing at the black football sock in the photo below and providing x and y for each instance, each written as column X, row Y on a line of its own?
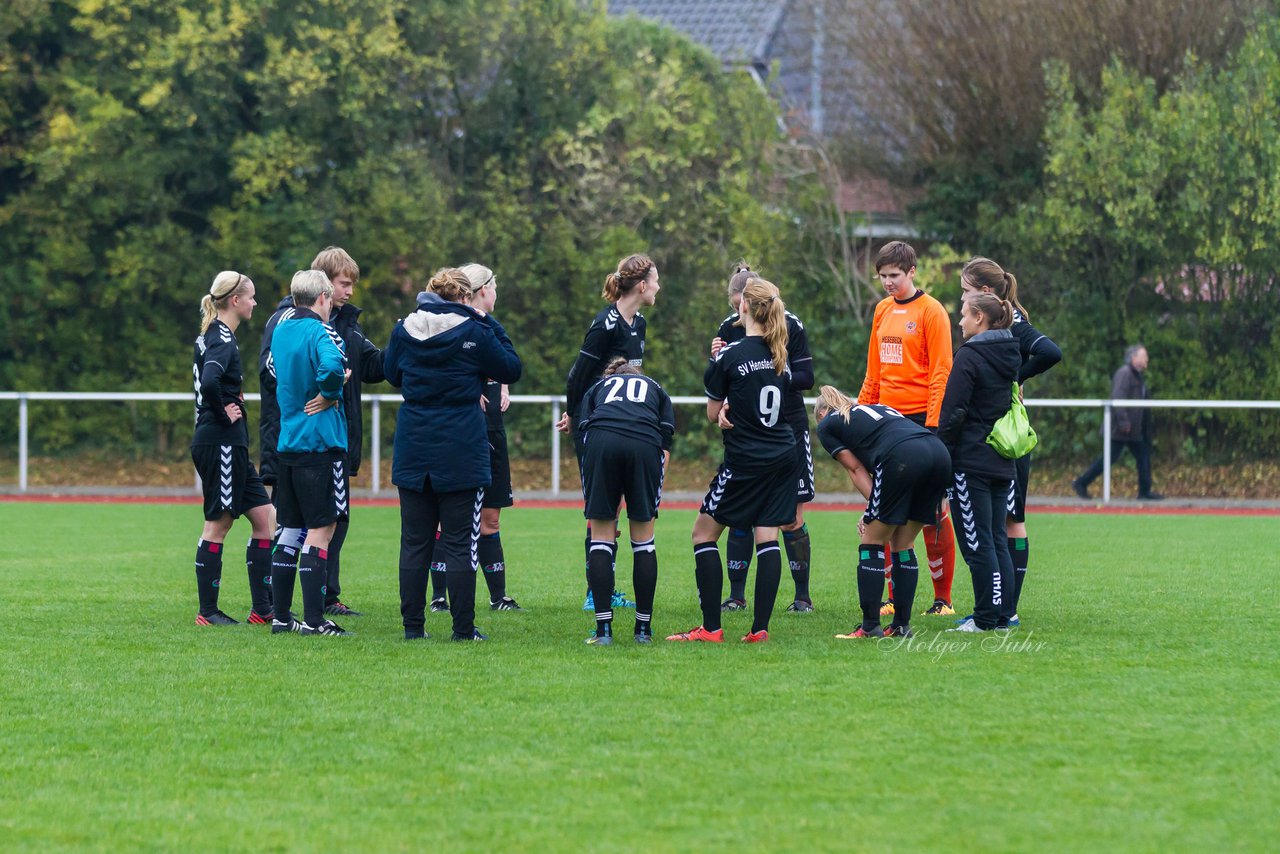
column 313, row 568
column 284, row 571
column 707, row 571
column 906, row 574
column 333, row 590
column 257, row 558
column 613, row 564
column 208, row 575
column 493, row 565
column 737, row 553
column 644, row 575
column 462, row 601
column 768, row 574
column 1020, row 552
column 797, row 545
column 586, row 555
column 870, row 583
column 439, row 590
column 600, row 576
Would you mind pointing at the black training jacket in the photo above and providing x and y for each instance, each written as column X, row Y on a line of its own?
column 979, row 392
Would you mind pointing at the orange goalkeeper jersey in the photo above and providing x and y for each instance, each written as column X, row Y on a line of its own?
column 909, row 356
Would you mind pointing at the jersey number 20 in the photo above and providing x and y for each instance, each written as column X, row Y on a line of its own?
column 636, row 389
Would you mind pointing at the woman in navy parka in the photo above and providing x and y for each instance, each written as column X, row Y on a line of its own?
column 440, row 357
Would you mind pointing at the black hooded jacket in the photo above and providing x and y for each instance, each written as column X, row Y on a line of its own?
column 365, row 362
column 979, row 392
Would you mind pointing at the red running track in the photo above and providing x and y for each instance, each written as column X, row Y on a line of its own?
column 1078, row 509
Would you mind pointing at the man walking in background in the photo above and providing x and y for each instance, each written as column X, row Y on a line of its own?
column 1130, row 425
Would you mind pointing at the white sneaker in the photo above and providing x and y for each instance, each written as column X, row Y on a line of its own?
column 967, row 626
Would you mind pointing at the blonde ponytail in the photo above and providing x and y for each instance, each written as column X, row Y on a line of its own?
column 760, row 299
column 225, row 285
column 831, row 399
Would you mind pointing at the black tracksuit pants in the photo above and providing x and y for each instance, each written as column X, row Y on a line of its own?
column 457, row 516
column 978, row 506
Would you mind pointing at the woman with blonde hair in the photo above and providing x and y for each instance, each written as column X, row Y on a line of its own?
column 755, row 486
column 795, row 536
column 220, row 452
column 440, row 357
column 903, row 471
column 494, row 402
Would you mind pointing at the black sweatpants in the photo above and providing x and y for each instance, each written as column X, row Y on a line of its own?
column 978, row 506
column 457, row 516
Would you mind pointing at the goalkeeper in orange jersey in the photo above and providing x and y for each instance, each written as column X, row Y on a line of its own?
column 908, row 362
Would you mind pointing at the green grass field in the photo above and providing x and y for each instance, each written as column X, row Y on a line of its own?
column 1136, row 709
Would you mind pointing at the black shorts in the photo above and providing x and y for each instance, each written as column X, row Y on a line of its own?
column 313, row 490
column 805, row 490
column 229, row 480
column 908, row 486
column 616, row 467
column 1016, row 504
column 763, row 499
column 498, row 493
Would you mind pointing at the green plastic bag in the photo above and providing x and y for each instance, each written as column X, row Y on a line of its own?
column 1012, row 436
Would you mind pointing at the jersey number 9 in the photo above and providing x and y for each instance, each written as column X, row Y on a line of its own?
column 770, row 405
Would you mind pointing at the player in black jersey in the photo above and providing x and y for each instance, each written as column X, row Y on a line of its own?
column 754, row 487
column 795, row 537
column 1039, row 354
column 627, row 422
column 903, row 471
column 616, row 331
column 496, row 399
column 220, row 451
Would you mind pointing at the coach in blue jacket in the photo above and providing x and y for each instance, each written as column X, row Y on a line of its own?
column 311, row 492
column 440, row 357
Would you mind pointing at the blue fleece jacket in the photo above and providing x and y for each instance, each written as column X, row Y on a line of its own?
column 309, row 360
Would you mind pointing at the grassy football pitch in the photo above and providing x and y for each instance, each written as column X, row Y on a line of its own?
column 1136, row 709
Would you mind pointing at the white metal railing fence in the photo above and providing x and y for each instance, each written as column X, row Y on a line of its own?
column 376, row 401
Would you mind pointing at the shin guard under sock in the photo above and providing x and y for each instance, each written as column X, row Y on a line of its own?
column 737, row 553
column 707, row 571
column 907, row 570
column 871, row 575
column 439, row 589
column 257, row 559
column 1019, row 552
column 940, row 547
column 600, row 578
column 797, row 545
column 493, row 565
column 208, row 575
column 284, row 571
column 313, row 571
column 768, row 574
column 644, row 576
